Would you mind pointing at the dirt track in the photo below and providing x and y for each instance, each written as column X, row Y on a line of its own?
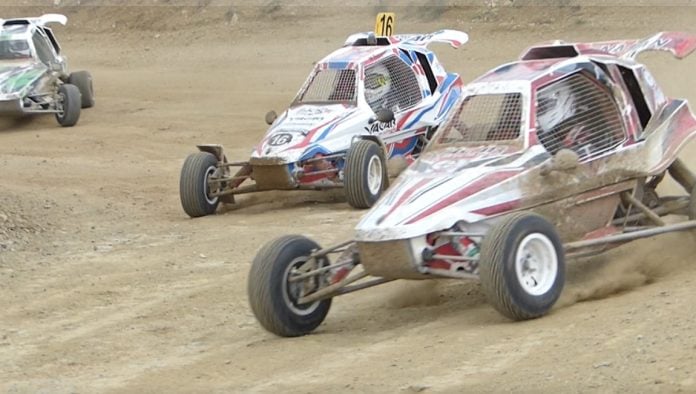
column 106, row 285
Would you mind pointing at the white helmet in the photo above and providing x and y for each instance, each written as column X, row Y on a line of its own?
column 377, row 83
column 555, row 106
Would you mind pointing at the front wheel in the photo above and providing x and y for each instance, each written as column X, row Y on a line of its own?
column 68, row 105
column 522, row 266
column 365, row 174
column 273, row 297
column 194, row 191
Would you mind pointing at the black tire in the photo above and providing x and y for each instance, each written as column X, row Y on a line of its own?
column 500, row 281
column 193, row 184
column 270, row 295
column 83, row 81
column 361, row 159
column 68, row 105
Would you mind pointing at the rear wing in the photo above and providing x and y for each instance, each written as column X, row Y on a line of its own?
column 455, row 38
column 680, row 44
column 41, row 21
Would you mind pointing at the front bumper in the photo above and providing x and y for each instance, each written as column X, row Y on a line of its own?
column 391, row 259
column 11, row 106
column 272, row 174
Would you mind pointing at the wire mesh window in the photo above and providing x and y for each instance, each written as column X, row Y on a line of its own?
column 329, row 85
column 391, row 84
column 14, row 49
column 485, row 117
column 577, row 113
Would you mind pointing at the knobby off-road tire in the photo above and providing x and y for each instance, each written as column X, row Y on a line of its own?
column 522, row 266
column 83, row 81
column 193, row 184
column 70, row 102
column 273, row 298
column 365, row 174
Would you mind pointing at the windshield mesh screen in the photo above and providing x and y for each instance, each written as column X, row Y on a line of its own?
column 485, row 117
column 329, row 85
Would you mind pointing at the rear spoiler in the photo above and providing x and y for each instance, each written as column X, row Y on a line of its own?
column 455, row 38
column 41, row 21
column 680, row 44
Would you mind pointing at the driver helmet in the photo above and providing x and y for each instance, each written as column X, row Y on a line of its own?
column 554, row 107
column 377, row 83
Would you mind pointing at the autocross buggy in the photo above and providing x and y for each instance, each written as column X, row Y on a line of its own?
column 373, row 99
column 34, row 76
column 553, row 156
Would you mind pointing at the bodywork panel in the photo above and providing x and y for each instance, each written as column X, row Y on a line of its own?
column 18, row 80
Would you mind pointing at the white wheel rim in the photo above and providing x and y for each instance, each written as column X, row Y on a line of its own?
column 296, row 289
column 208, row 174
column 374, row 175
column 536, row 264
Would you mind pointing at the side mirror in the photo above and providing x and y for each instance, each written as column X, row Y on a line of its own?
column 385, row 116
column 563, row 160
column 271, row 116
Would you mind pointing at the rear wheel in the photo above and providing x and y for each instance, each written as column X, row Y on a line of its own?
column 522, row 266
column 365, row 174
column 194, row 191
column 68, row 105
column 83, row 81
column 273, row 297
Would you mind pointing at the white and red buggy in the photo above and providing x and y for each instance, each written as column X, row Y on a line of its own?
column 374, row 99
column 553, row 156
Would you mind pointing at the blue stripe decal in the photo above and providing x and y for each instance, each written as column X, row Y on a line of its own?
column 313, row 151
column 446, row 84
column 334, row 124
column 338, row 65
column 406, row 150
column 328, row 129
column 406, row 58
column 450, row 101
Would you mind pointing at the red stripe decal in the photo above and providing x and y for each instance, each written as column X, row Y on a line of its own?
column 466, row 191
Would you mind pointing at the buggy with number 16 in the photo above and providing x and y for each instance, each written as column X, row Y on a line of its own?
column 376, row 98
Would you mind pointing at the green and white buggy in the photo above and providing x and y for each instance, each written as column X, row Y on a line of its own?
column 34, row 75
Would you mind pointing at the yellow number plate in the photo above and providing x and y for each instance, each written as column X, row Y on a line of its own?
column 385, row 24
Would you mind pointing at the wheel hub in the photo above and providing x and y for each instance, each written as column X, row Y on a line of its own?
column 374, row 175
column 209, row 173
column 536, row 264
column 293, row 291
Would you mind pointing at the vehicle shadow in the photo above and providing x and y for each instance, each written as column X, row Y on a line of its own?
column 411, row 304
column 19, row 123
column 285, row 199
